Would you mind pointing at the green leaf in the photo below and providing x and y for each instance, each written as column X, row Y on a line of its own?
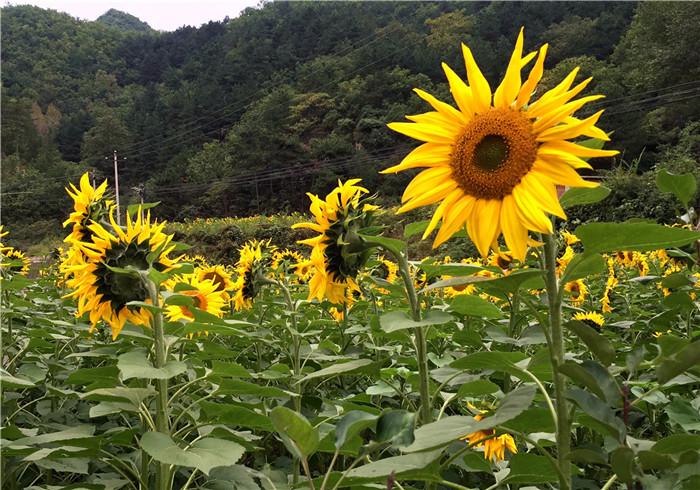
column 599, row 411
column 351, row 367
column 683, row 186
column 622, row 462
column 401, row 466
column 686, row 358
column 469, row 305
column 642, row 237
column 677, row 443
column 579, row 196
column 414, row 228
column 396, row 427
column 597, row 343
column 583, row 265
column 238, row 387
column 229, row 369
column 9, row 381
column 236, row 416
column 398, row 320
column 451, row 429
column 352, row 424
column 496, row 360
column 103, row 376
column 479, row 387
column 684, row 414
column 204, row 454
column 530, row 468
column 120, row 394
column 74, row 436
column 133, row 208
column 135, row 364
column 394, row 246
column 459, row 270
column 298, row 435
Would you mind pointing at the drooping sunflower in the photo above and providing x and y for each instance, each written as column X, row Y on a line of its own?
column 338, row 253
column 252, row 264
column 15, row 261
column 591, row 318
column 196, row 260
column 205, row 293
column 494, row 446
column 103, row 293
column 501, row 259
column 494, row 163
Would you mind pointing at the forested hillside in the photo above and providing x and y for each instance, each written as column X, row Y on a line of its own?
column 246, row 115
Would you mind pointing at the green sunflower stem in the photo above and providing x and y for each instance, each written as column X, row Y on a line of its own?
column 557, row 352
column 426, row 406
column 162, row 417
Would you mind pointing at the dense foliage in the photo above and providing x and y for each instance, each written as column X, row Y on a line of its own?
column 244, row 116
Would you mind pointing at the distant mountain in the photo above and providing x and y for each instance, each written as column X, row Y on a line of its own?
column 122, row 20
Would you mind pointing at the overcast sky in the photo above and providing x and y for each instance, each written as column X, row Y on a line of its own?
column 164, row 15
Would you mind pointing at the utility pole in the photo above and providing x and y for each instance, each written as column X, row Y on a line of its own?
column 116, row 185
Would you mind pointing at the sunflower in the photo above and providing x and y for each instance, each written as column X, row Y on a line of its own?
column 494, row 163
column 89, row 204
column 563, row 261
column 3, row 233
column 251, row 266
column 286, row 262
column 502, row 260
column 15, row 261
column 577, row 291
column 196, row 260
column 338, row 252
column 218, row 274
column 205, row 293
column 494, row 446
column 592, row 319
column 104, row 293
column 569, row 238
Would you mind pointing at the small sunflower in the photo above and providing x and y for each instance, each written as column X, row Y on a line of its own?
column 338, row 252
column 252, row 264
column 103, row 293
column 285, row 263
column 502, row 260
column 218, row 275
column 563, row 261
column 494, row 446
column 577, row 291
column 15, row 261
column 592, row 319
column 569, row 238
column 494, row 163
column 196, row 260
column 89, row 204
column 205, row 293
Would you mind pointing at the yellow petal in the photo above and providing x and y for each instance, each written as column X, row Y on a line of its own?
column 546, row 194
column 568, row 131
column 461, row 93
column 552, row 100
column 484, row 223
column 560, row 114
column 445, row 109
column 440, row 211
column 426, row 155
column 454, row 219
column 424, row 132
column 532, row 80
column 481, row 91
column 575, row 149
column 426, row 180
column 508, row 90
column 529, row 211
column 431, row 196
column 514, row 232
column 561, row 174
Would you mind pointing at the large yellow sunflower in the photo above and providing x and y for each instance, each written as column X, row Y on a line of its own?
column 206, row 294
column 495, row 161
column 104, row 293
column 337, row 254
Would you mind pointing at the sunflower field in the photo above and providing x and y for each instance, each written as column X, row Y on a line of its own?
column 558, row 357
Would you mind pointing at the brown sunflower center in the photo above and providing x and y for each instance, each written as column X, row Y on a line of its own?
column 217, row 279
column 200, row 302
column 495, row 151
